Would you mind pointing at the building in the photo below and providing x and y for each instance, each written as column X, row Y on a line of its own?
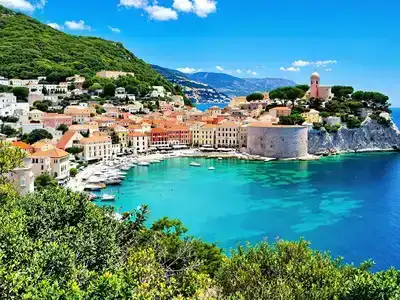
column 113, row 74
column 159, row 137
column 277, row 141
column 23, row 146
column 178, row 135
column 43, row 145
column 77, row 80
column 16, row 82
column 4, row 81
column 8, row 104
column 138, row 141
column 59, row 163
column 178, row 100
column 23, row 178
column 69, row 139
column 205, row 135
column 238, row 101
column 36, row 115
column 242, row 136
column 29, row 127
column 120, row 93
column 279, row 111
column 227, row 135
column 214, row 111
column 96, row 147
column 55, row 120
column 79, row 114
column 122, row 134
column 317, row 90
column 312, row 116
column 158, row 91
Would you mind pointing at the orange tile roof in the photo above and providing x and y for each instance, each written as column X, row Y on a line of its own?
column 22, row 145
column 281, row 108
column 65, row 139
column 157, row 130
column 54, row 115
column 209, row 126
column 178, row 127
column 134, row 126
column 136, row 134
column 228, row 124
column 96, row 139
column 53, row 153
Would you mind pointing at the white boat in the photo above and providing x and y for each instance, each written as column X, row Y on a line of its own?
column 125, row 168
column 92, row 187
column 219, row 158
column 195, row 164
column 155, row 161
column 144, row 164
column 107, row 197
column 211, row 168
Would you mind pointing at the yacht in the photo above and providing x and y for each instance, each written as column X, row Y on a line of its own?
column 107, row 197
column 211, row 168
column 144, row 164
column 195, row 164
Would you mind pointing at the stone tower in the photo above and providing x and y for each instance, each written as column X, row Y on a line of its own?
column 314, row 85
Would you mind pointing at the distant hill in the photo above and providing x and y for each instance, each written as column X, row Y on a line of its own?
column 197, row 92
column 29, row 49
column 235, row 86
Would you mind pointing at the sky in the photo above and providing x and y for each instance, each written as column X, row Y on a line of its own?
column 353, row 42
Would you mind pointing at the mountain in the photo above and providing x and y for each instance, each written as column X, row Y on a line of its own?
column 29, row 49
column 234, row 86
column 197, row 92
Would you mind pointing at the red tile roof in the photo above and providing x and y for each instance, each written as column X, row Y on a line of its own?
column 65, row 139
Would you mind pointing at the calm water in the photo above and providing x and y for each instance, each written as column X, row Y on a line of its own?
column 349, row 205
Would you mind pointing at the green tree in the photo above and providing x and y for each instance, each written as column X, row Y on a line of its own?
column 63, row 128
column 287, row 93
column 130, row 89
column 291, row 120
column 94, row 87
column 41, row 105
column 74, row 150
column 109, row 90
column 10, row 158
column 73, row 172
column 21, row 93
column 255, row 96
column 303, row 87
column 353, row 122
column 45, row 181
column 8, row 130
column 37, row 135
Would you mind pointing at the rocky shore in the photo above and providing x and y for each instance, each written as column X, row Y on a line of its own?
column 370, row 137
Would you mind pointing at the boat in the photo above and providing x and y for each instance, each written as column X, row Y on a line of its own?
column 125, row 168
column 113, row 181
column 144, row 164
column 195, row 164
column 219, row 158
column 211, row 168
column 107, row 197
column 155, row 161
column 92, row 196
column 92, row 187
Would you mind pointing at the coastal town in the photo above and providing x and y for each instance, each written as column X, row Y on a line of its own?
column 65, row 129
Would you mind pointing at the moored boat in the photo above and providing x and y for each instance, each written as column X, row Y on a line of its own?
column 195, row 164
column 107, row 197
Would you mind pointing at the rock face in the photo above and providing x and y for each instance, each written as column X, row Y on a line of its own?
column 371, row 136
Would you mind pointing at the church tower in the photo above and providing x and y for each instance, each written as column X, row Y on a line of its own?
column 314, row 85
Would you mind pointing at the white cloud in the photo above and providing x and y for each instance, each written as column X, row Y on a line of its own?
column 328, row 70
column 77, row 25
column 300, row 63
column 183, row 5
column 56, row 26
column 161, row 13
column 203, row 8
column 318, row 63
column 134, row 3
column 239, row 71
column 290, row 69
column 219, row 68
column 250, row 72
column 189, row 70
column 114, row 29
column 23, row 5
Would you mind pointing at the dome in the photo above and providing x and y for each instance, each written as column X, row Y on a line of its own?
column 315, row 75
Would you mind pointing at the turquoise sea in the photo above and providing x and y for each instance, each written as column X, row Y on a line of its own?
column 348, row 204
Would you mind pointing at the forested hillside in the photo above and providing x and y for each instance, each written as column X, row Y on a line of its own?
column 29, row 49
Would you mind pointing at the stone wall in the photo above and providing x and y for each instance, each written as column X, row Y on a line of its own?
column 369, row 137
column 278, row 141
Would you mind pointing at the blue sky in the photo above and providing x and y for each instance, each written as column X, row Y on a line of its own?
column 348, row 42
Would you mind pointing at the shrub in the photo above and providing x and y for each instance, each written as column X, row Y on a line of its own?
column 332, row 129
column 73, row 172
column 353, row 122
column 317, row 125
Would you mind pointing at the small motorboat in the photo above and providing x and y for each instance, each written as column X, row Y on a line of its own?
column 219, row 158
column 125, row 168
column 144, row 164
column 211, row 168
column 92, row 196
column 107, row 197
column 195, row 164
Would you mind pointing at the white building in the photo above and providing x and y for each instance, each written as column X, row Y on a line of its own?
column 23, row 178
column 8, row 104
column 96, row 147
column 138, row 141
column 158, row 91
column 4, row 81
column 120, row 93
column 15, row 82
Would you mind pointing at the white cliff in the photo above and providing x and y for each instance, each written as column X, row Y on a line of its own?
column 371, row 136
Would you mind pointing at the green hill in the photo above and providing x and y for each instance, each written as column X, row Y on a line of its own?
column 29, row 49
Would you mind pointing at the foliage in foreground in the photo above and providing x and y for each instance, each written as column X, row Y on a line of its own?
column 57, row 244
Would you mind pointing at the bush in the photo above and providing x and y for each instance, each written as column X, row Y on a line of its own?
column 73, row 172
column 317, row 125
column 291, row 120
column 324, row 114
column 353, row 122
column 332, row 129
